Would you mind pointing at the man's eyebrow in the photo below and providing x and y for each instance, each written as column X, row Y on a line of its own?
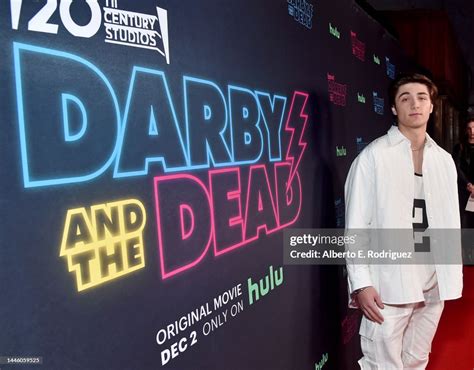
column 404, row 93
column 407, row 93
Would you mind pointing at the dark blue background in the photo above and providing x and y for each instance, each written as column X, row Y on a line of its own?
column 255, row 44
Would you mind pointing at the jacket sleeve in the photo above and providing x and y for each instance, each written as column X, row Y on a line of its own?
column 454, row 170
column 359, row 200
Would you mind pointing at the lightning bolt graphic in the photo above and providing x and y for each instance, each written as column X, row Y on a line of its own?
column 296, row 124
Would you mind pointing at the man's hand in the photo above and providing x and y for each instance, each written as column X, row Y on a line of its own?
column 369, row 302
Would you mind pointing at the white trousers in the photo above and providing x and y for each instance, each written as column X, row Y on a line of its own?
column 403, row 340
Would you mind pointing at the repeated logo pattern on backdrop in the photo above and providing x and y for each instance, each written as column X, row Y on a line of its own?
column 153, row 152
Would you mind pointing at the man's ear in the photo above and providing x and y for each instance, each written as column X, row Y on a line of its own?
column 394, row 111
column 431, row 109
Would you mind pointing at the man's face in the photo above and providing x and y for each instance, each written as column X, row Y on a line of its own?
column 412, row 105
column 470, row 132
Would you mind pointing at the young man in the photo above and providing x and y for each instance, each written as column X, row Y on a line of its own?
column 402, row 180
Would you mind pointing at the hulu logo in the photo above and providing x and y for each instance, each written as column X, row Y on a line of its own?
column 266, row 284
column 333, row 31
column 341, row 152
column 319, row 365
column 360, row 98
column 376, row 59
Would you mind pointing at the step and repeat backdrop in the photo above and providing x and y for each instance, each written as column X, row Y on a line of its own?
column 152, row 153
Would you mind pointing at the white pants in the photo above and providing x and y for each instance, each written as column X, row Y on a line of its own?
column 403, row 340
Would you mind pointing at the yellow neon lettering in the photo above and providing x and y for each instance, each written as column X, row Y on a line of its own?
column 104, row 243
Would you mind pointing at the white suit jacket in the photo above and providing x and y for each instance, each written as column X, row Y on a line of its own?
column 379, row 193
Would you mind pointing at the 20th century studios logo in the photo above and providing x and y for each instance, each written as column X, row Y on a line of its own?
column 122, row 27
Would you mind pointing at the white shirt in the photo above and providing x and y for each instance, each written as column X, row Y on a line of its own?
column 427, row 272
column 379, row 194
